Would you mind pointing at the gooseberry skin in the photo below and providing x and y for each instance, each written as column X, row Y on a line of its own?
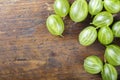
column 95, row 6
column 102, row 19
column 55, row 25
column 88, row 36
column 105, row 35
column 109, row 72
column 93, row 64
column 112, row 54
column 79, row 10
column 112, row 6
column 116, row 29
column 61, row 7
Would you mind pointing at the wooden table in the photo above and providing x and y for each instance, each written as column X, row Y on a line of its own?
column 29, row 52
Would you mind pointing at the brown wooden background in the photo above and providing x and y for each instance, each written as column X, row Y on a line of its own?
column 29, row 52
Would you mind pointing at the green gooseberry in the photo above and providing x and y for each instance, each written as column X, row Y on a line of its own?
column 109, row 72
column 102, row 19
column 112, row 6
column 88, row 36
column 61, row 7
column 105, row 35
column 112, row 54
column 79, row 10
column 93, row 64
column 55, row 25
column 116, row 29
column 95, row 6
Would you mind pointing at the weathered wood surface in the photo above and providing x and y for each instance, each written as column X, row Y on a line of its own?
column 29, row 52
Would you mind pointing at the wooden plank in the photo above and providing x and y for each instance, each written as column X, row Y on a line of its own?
column 29, row 52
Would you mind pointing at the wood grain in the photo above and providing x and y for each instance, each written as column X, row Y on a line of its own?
column 29, row 52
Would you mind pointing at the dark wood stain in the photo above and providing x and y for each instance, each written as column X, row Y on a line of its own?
column 29, row 52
